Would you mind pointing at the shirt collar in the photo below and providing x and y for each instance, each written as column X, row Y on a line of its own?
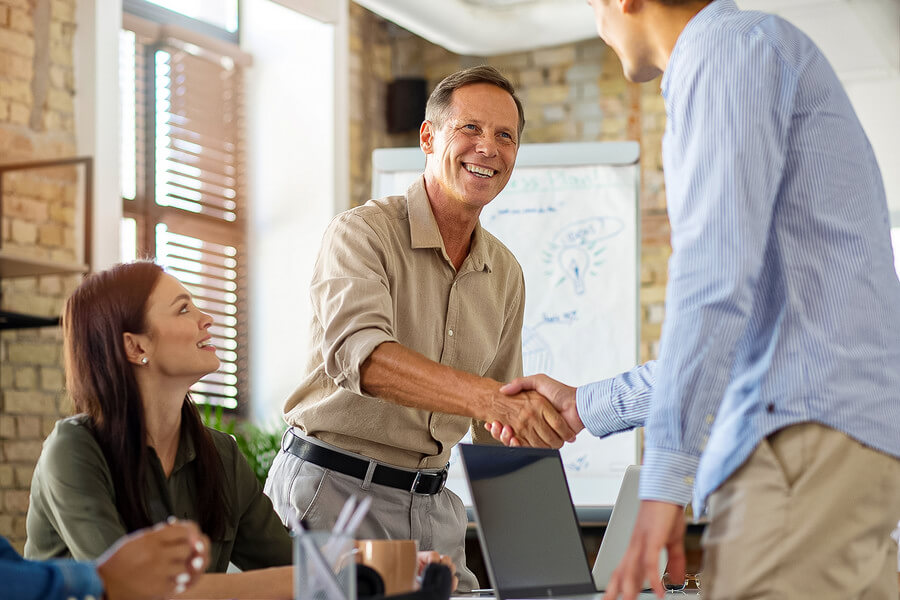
column 710, row 13
column 423, row 228
column 186, row 452
column 424, row 232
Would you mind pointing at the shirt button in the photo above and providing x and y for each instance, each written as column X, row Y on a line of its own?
column 450, row 333
column 689, row 480
column 770, row 408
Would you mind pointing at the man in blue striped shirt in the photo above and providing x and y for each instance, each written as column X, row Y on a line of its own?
column 776, row 397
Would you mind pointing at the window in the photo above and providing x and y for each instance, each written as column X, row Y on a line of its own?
column 221, row 13
column 182, row 168
column 215, row 19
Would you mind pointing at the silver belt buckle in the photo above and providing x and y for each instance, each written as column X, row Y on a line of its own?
column 415, row 483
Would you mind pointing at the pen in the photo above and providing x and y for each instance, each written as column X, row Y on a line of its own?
column 343, row 516
column 317, row 568
column 358, row 515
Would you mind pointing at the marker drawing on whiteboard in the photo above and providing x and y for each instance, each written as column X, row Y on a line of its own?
column 578, row 249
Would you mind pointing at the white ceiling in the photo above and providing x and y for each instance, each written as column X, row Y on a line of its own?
column 861, row 38
column 485, row 28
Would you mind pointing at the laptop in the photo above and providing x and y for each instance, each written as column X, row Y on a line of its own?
column 527, row 526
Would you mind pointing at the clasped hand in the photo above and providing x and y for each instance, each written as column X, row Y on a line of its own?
column 542, row 413
column 154, row 563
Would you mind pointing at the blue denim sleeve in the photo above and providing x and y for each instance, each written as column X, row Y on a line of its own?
column 51, row 580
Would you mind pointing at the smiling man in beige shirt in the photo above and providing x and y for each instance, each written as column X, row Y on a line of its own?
column 417, row 319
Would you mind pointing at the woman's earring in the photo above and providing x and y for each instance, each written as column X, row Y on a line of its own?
column 144, row 360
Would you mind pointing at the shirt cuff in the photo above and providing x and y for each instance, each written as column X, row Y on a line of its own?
column 597, row 410
column 356, row 349
column 80, row 579
column 668, row 476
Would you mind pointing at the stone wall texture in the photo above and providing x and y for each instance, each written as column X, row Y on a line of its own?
column 573, row 92
column 37, row 121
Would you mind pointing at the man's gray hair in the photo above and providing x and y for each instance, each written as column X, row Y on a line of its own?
column 441, row 98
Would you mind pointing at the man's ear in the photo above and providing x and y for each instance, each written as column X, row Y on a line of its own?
column 135, row 347
column 630, row 6
column 426, row 137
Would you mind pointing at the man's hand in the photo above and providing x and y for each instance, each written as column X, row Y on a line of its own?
column 532, row 417
column 659, row 524
column 395, row 373
column 154, row 563
column 423, row 559
column 561, row 396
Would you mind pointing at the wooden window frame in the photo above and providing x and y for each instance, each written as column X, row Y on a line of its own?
column 144, row 208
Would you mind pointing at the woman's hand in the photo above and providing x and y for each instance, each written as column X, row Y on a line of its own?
column 423, row 559
column 155, row 562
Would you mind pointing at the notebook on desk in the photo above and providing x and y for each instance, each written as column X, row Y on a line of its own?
column 527, row 526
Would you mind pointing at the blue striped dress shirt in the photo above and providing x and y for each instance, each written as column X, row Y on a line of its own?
column 782, row 305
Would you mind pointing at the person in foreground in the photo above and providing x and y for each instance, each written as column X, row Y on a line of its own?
column 149, row 564
column 417, row 319
column 776, row 397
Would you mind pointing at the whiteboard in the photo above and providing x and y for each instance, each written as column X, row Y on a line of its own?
column 570, row 216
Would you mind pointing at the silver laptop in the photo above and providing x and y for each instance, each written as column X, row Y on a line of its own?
column 527, row 526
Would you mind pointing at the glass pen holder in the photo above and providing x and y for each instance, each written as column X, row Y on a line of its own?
column 324, row 566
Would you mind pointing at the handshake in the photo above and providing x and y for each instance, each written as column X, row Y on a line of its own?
column 534, row 411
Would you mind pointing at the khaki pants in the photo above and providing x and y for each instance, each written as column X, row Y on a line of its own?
column 438, row 522
column 808, row 515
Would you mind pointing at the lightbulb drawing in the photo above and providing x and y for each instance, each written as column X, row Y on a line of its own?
column 575, row 262
column 579, row 249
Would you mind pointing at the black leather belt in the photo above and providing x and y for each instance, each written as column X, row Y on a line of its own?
column 415, row 482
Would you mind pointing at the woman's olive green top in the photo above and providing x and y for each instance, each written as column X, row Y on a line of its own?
column 73, row 502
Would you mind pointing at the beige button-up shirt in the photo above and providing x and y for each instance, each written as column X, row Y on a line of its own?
column 383, row 275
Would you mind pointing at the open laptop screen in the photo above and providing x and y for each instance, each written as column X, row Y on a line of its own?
column 526, row 522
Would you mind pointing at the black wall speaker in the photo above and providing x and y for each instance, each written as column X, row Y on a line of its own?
column 406, row 98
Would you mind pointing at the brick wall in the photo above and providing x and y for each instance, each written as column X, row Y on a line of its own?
column 39, row 214
column 574, row 92
column 372, row 42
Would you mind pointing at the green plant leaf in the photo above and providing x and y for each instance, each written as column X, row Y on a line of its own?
column 258, row 445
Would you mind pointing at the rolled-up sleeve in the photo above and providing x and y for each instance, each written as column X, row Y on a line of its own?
column 351, row 298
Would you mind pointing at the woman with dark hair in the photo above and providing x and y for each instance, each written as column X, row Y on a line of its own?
column 137, row 452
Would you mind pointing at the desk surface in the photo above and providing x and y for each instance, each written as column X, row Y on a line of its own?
column 682, row 595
